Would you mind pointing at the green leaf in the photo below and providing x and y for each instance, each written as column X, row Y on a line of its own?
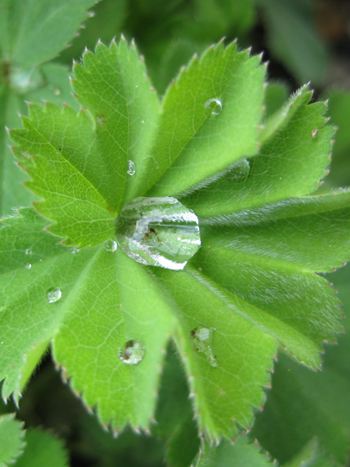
column 175, row 422
column 12, row 192
column 293, row 39
column 312, row 455
column 112, row 83
column 31, row 264
column 108, row 21
column 250, row 289
column 11, row 439
column 220, row 384
column 291, row 162
column 339, row 109
column 238, row 454
column 276, row 96
column 304, row 405
column 115, row 301
column 72, row 188
column 289, row 234
column 227, row 83
column 35, row 31
column 52, row 86
column 42, row 449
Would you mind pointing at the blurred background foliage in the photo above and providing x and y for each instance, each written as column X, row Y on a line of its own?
column 307, row 415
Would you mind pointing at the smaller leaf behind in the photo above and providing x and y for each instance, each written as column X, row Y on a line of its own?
column 11, row 439
column 42, row 449
column 240, row 453
column 35, row 31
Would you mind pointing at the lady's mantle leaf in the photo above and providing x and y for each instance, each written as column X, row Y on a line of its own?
column 11, row 439
column 245, row 292
column 238, row 454
column 42, row 449
column 210, row 117
column 295, row 153
column 83, row 181
column 35, row 31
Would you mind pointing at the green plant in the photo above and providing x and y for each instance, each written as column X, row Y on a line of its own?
column 28, row 448
column 194, row 289
column 250, row 289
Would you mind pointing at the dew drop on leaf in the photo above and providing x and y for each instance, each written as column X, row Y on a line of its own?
column 133, row 353
column 214, row 105
column 131, row 168
column 24, row 80
column 74, row 250
column 111, row 246
column 158, row 232
column 57, row 92
column 28, row 266
column 202, row 343
column 28, row 252
column 314, row 133
column 240, row 172
column 54, row 295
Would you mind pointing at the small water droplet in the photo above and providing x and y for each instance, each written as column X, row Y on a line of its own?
column 214, row 105
column 28, row 252
column 158, row 232
column 133, row 353
column 111, row 246
column 240, row 172
column 57, row 92
column 314, row 132
column 74, row 250
column 54, row 295
column 100, row 119
column 28, row 266
column 142, row 122
column 131, row 168
column 202, row 338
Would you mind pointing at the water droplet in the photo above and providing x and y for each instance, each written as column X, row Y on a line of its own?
column 74, row 250
column 111, row 246
column 54, row 295
column 214, row 105
column 131, row 168
column 100, row 119
column 24, row 80
column 133, row 353
column 28, row 252
column 240, row 172
column 202, row 338
column 314, row 133
column 28, row 266
column 57, row 92
column 158, row 232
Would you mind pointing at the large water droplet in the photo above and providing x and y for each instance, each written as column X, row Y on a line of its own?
column 131, row 168
column 240, row 171
column 202, row 342
column 158, row 232
column 111, row 246
column 133, row 353
column 214, row 105
column 54, row 295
